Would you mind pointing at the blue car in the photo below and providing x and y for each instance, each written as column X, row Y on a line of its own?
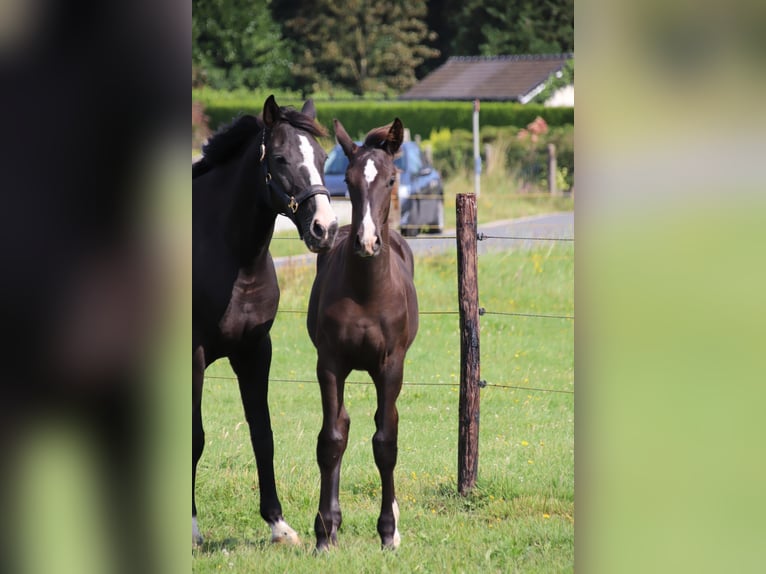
column 421, row 193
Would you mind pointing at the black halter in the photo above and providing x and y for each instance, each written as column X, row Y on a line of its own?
column 290, row 202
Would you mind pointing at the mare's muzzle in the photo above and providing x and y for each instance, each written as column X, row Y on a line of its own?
column 316, row 234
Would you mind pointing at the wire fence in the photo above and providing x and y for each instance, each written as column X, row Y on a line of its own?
column 482, row 312
column 455, row 385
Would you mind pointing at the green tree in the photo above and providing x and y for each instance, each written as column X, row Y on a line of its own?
column 495, row 27
column 361, row 45
column 235, row 43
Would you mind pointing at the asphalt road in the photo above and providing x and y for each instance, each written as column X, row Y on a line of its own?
column 524, row 233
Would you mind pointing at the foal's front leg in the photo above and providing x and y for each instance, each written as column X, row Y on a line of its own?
column 331, row 444
column 388, row 383
column 252, row 368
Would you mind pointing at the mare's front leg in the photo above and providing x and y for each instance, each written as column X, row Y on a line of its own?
column 252, row 365
column 388, row 383
column 331, row 444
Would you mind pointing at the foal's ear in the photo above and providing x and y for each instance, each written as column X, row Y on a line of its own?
column 309, row 109
column 348, row 145
column 271, row 111
column 394, row 138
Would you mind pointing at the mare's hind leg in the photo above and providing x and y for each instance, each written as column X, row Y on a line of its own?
column 388, row 383
column 252, row 368
column 331, row 444
column 198, row 433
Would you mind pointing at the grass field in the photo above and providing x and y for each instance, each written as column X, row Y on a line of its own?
column 520, row 517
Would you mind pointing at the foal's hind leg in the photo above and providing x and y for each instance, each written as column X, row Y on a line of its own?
column 252, row 368
column 331, row 444
column 198, row 433
column 388, row 383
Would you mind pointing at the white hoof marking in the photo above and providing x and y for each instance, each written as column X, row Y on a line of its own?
column 196, row 536
column 397, row 537
column 281, row 533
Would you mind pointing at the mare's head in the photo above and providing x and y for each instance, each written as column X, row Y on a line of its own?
column 371, row 179
column 293, row 166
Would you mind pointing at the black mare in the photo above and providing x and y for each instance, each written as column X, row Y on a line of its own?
column 250, row 172
column 363, row 315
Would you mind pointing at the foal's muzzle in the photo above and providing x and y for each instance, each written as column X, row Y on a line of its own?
column 366, row 248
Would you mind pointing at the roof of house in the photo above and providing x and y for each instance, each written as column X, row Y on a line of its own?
column 500, row 78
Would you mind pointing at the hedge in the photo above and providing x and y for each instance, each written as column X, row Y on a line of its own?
column 420, row 117
column 523, row 158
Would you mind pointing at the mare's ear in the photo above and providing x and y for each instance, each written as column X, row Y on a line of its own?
column 309, row 109
column 394, row 138
column 271, row 111
column 348, row 145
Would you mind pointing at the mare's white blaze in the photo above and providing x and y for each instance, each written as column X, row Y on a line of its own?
column 281, row 533
column 196, row 536
column 368, row 230
column 397, row 537
column 308, row 160
column 370, row 171
column 324, row 213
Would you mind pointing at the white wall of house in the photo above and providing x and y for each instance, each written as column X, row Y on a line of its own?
column 563, row 97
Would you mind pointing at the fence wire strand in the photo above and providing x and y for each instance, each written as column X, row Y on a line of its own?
column 483, row 236
column 482, row 311
column 456, row 385
column 479, row 236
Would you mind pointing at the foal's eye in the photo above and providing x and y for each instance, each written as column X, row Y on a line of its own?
column 280, row 159
column 391, row 182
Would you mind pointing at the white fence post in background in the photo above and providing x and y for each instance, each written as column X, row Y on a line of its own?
column 476, row 156
column 552, row 171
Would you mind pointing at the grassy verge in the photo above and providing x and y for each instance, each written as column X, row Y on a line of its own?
column 520, row 516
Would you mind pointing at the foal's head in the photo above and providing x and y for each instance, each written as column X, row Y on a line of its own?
column 371, row 178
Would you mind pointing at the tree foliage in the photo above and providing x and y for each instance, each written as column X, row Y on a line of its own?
column 363, row 46
column 360, row 45
column 235, row 43
column 516, row 27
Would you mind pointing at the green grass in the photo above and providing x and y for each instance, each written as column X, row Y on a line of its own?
column 519, row 518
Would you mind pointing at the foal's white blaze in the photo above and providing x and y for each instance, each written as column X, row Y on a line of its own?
column 281, row 533
column 370, row 171
column 368, row 230
column 397, row 537
column 324, row 213
column 368, row 226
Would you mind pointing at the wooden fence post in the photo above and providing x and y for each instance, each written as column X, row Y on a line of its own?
column 468, row 302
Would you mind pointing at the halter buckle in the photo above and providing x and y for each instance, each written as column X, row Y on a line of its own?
column 293, row 205
column 263, row 152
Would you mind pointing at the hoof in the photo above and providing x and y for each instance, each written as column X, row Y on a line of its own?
column 197, row 539
column 394, row 543
column 281, row 533
column 325, row 547
column 396, row 540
